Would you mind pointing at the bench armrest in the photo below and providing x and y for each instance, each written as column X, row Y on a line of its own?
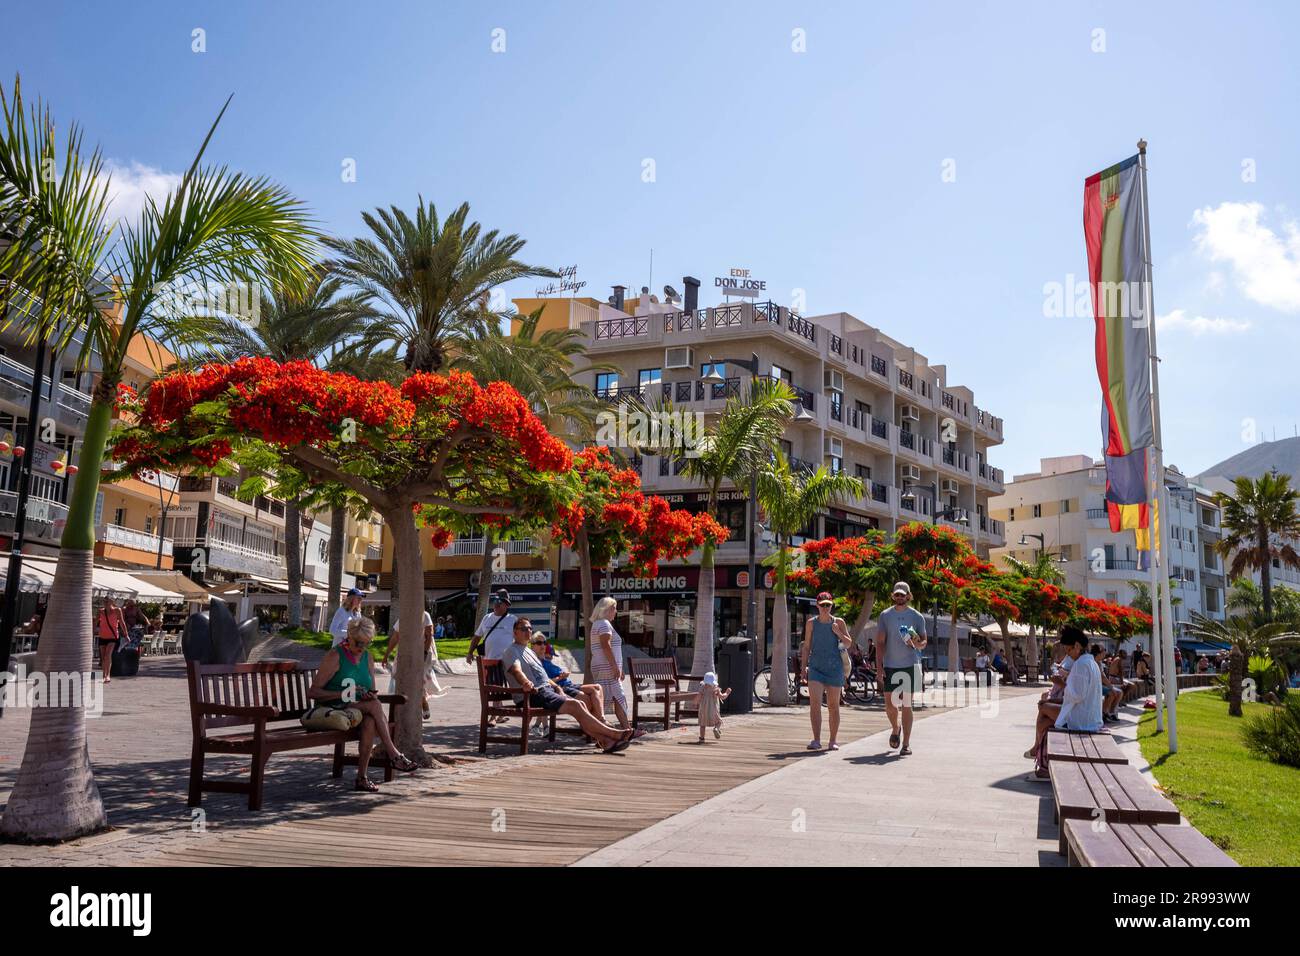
column 230, row 710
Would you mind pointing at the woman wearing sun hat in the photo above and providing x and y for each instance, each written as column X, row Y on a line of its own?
column 822, row 665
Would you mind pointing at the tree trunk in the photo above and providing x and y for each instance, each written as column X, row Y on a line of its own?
column 1031, row 651
column 55, row 797
column 1006, row 647
column 1265, row 574
column 863, row 621
column 779, row 692
column 1236, row 669
column 702, row 659
column 293, row 560
column 485, row 576
column 588, row 600
column 408, row 568
column 954, row 650
column 338, row 543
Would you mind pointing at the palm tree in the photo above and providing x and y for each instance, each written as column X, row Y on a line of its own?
column 1260, row 524
column 541, row 367
column 294, row 325
column 740, row 443
column 427, row 276
column 1046, row 567
column 792, row 500
column 1142, row 596
column 1247, row 635
column 217, row 227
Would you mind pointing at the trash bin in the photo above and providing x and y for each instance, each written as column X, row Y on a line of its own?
column 736, row 670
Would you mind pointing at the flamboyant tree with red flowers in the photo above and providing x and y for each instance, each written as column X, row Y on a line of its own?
column 610, row 516
column 440, row 450
column 854, row 569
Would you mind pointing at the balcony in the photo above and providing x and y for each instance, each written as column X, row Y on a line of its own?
column 879, row 367
column 113, row 534
column 474, row 546
column 70, row 407
column 837, row 345
column 880, row 492
column 905, row 379
column 45, row 517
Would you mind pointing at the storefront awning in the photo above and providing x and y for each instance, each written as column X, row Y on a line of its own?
column 33, row 579
column 177, row 582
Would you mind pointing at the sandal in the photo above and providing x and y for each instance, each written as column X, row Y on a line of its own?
column 621, row 744
column 833, row 746
column 814, row 745
column 403, row 763
column 363, row 785
column 893, row 741
column 906, row 751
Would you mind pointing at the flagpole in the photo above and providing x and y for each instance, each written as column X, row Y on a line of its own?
column 1161, row 518
column 1157, row 649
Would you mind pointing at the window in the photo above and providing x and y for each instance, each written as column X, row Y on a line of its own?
column 862, row 471
column 784, row 374
column 649, row 377
column 1112, row 597
column 606, row 383
column 1038, row 511
column 119, row 516
column 1011, row 514
column 836, row 464
column 148, row 524
column 1065, row 506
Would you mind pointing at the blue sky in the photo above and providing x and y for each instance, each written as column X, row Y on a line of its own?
column 820, row 170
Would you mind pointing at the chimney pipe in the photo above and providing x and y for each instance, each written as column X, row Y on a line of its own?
column 691, row 300
column 618, row 296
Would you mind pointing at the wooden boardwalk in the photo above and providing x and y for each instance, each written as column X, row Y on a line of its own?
column 549, row 813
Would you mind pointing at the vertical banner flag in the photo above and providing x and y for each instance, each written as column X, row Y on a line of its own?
column 1112, row 228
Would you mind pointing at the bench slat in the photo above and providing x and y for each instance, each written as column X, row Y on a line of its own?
column 1142, row 845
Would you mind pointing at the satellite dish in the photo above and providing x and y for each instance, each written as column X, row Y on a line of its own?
column 671, row 294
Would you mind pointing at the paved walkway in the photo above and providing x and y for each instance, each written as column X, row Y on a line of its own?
column 566, row 802
column 960, row 799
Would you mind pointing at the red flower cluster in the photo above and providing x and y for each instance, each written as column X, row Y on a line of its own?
column 831, row 559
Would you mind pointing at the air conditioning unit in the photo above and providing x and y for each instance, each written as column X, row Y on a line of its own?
column 833, row 380
column 910, row 413
column 910, row 473
column 950, row 486
column 679, row 357
column 833, row 446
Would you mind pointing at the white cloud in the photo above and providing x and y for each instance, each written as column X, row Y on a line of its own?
column 1179, row 321
column 129, row 184
column 1265, row 262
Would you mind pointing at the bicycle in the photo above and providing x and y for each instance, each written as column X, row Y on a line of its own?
column 763, row 686
column 860, row 684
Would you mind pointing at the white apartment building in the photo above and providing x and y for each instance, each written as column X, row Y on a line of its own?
column 1061, row 510
column 868, row 405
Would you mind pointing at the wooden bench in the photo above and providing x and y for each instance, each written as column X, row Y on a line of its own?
column 1113, row 792
column 664, row 687
column 1129, row 844
column 1083, row 748
column 497, row 699
column 255, row 695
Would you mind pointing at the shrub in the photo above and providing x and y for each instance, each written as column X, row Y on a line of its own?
column 1276, row 735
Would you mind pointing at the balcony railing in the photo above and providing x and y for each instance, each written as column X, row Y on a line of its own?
column 38, row 509
column 1120, row 564
column 907, row 439
column 837, row 345
column 801, row 464
column 878, row 365
column 801, row 326
column 905, row 379
column 131, row 538
column 472, row 546
column 1097, row 514
column 880, row 428
column 879, row 492
column 622, row 327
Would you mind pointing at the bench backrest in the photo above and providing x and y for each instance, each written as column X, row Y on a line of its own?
column 279, row 684
column 654, row 669
column 491, row 681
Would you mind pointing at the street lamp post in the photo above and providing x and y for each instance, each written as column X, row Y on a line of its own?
column 957, row 515
column 9, row 610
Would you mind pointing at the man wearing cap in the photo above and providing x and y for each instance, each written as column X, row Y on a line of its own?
column 495, row 632
column 348, row 612
column 900, row 638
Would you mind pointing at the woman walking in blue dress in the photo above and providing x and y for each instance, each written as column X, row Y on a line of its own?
column 825, row 638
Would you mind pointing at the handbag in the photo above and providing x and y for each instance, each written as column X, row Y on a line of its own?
column 324, row 717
